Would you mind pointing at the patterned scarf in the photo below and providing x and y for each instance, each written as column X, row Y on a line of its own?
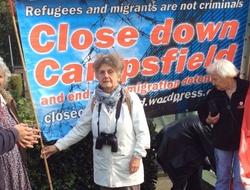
column 110, row 100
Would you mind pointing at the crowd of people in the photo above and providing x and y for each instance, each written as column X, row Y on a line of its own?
column 121, row 135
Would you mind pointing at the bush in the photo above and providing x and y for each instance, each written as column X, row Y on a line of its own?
column 15, row 86
column 73, row 168
column 150, row 168
column 25, row 111
column 70, row 169
column 24, row 106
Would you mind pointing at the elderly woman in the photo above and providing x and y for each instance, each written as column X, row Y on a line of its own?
column 15, row 175
column 119, row 127
column 225, row 114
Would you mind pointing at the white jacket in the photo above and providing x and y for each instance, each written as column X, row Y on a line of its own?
column 111, row 169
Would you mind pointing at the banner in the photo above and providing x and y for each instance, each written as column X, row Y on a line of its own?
column 244, row 149
column 166, row 48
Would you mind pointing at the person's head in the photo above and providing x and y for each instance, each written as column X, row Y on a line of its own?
column 222, row 73
column 4, row 74
column 108, row 69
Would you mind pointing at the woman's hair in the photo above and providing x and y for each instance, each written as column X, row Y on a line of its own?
column 223, row 68
column 6, row 72
column 112, row 59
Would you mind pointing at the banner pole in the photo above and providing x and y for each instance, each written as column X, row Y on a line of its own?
column 25, row 75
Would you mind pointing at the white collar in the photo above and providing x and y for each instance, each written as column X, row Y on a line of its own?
column 3, row 102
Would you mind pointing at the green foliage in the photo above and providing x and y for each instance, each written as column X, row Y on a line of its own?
column 73, row 168
column 15, row 85
column 25, row 111
column 7, row 30
column 69, row 169
column 24, row 106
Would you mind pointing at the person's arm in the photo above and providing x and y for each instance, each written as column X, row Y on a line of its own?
column 82, row 128
column 80, row 131
column 140, row 126
column 21, row 133
column 8, row 139
column 142, row 132
column 202, row 112
column 204, row 115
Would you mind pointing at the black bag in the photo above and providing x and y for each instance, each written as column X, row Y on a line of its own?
column 212, row 107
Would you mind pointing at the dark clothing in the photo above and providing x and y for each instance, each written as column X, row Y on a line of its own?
column 8, row 139
column 185, row 179
column 226, row 132
column 13, row 109
column 181, row 148
column 134, row 187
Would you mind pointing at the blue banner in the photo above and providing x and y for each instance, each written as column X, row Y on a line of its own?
column 166, row 48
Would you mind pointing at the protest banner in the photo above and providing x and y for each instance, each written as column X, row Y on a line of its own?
column 244, row 148
column 166, row 48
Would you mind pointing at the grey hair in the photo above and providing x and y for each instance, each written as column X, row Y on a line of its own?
column 112, row 59
column 223, row 68
column 6, row 72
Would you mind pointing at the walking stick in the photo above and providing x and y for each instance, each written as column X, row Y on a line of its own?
column 25, row 75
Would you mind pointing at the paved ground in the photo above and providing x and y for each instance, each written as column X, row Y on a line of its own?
column 163, row 182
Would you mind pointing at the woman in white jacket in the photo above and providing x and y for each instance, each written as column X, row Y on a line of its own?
column 120, row 131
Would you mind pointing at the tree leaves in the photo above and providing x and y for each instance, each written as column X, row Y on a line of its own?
column 7, row 31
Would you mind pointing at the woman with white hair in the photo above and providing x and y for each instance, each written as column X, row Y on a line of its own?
column 223, row 108
column 14, row 171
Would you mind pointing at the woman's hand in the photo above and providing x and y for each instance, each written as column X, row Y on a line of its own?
column 48, row 151
column 27, row 136
column 212, row 120
column 134, row 164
